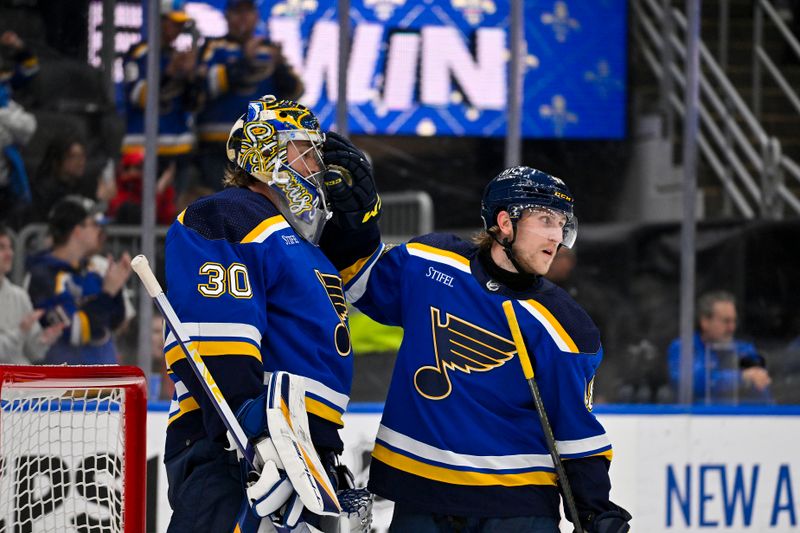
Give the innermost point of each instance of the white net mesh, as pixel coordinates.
(61, 460)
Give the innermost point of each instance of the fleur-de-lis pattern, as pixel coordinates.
(573, 71)
(384, 9)
(474, 10)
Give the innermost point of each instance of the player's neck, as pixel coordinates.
(502, 271)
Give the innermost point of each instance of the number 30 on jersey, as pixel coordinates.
(233, 280)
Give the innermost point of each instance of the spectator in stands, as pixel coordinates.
(17, 126)
(179, 95)
(237, 68)
(724, 368)
(22, 338)
(61, 172)
(70, 289)
(17, 66)
(126, 206)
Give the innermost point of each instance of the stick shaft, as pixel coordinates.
(141, 266)
(527, 369)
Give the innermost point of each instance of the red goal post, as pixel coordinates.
(72, 448)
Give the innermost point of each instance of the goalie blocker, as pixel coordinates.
(290, 448)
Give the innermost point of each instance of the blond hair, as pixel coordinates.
(236, 177)
(484, 239)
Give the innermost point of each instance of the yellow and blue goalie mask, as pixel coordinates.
(279, 142)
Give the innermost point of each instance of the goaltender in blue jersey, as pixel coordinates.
(459, 441)
(256, 296)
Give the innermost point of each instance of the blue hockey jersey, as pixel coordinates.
(232, 80)
(175, 136)
(75, 292)
(255, 298)
(459, 434)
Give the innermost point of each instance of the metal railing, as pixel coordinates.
(761, 59)
(746, 160)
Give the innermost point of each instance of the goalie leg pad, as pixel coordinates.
(288, 427)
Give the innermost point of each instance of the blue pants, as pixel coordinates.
(410, 521)
(205, 489)
(206, 492)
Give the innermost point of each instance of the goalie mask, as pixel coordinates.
(520, 189)
(279, 143)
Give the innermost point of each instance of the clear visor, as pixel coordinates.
(298, 182)
(551, 224)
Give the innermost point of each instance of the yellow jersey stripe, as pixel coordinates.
(438, 251)
(222, 80)
(181, 215)
(608, 454)
(560, 331)
(61, 282)
(186, 405)
(142, 100)
(350, 272)
(174, 149)
(262, 227)
(86, 331)
(163, 149)
(212, 348)
(316, 407)
(213, 136)
(459, 477)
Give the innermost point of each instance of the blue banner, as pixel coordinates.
(440, 67)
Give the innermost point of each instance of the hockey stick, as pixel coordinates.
(527, 370)
(141, 266)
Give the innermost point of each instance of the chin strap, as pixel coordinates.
(507, 247)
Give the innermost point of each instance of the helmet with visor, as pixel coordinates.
(279, 142)
(520, 190)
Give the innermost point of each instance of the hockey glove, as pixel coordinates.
(268, 487)
(610, 522)
(252, 416)
(349, 183)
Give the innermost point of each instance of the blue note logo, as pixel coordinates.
(462, 346)
(333, 288)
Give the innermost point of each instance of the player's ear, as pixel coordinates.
(504, 224)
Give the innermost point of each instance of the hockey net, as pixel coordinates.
(72, 449)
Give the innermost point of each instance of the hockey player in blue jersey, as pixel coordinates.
(460, 447)
(257, 295)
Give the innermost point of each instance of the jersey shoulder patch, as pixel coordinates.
(234, 214)
(567, 318)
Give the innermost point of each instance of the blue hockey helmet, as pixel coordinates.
(519, 188)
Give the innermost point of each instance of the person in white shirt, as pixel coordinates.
(22, 338)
